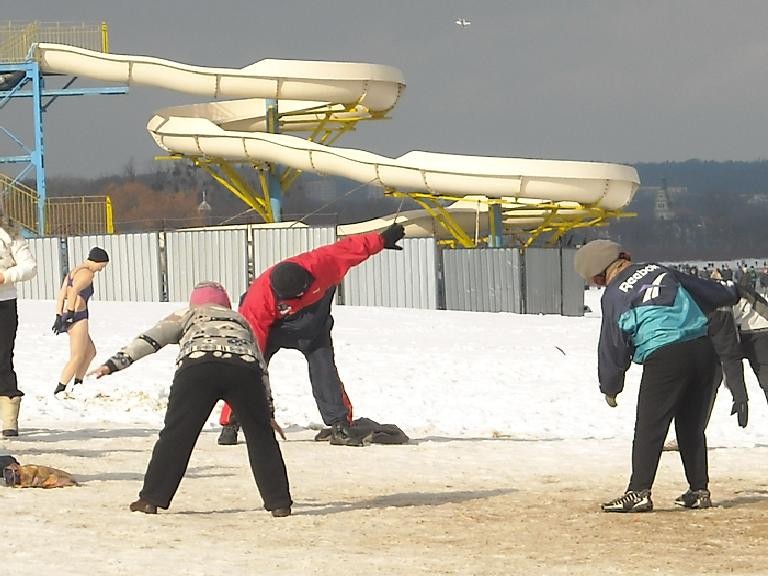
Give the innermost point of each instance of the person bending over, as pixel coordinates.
(218, 359)
(289, 306)
(656, 317)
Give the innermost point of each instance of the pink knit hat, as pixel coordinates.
(209, 293)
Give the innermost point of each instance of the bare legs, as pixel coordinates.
(82, 351)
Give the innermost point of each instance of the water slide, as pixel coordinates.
(234, 127)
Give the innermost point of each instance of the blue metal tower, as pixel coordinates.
(23, 79)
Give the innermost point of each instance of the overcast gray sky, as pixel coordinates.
(616, 81)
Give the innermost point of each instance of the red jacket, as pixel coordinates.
(327, 264)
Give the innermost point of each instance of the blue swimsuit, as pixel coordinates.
(85, 294)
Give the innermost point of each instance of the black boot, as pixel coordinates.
(143, 506)
(342, 434)
(228, 436)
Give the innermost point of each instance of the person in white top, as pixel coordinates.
(751, 314)
(16, 265)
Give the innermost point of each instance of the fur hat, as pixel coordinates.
(289, 280)
(98, 255)
(594, 257)
(209, 293)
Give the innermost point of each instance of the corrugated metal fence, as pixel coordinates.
(164, 266)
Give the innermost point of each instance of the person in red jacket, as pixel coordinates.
(289, 306)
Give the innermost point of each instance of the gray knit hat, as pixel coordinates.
(594, 257)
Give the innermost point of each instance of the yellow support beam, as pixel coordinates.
(439, 213)
(104, 38)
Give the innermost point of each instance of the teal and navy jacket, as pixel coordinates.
(646, 307)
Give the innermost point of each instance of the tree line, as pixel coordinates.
(719, 208)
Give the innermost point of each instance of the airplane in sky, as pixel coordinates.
(463, 22)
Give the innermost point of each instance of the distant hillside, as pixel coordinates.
(718, 210)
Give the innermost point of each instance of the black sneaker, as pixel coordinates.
(228, 436)
(631, 501)
(281, 512)
(342, 434)
(696, 499)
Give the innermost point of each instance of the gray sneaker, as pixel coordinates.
(630, 501)
(696, 499)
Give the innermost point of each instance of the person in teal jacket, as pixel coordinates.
(657, 317)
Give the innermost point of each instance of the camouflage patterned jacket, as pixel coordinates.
(212, 331)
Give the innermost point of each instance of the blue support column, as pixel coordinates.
(495, 226)
(275, 189)
(34, 156)
(38, 155)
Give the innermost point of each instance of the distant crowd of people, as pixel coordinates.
(750, 276)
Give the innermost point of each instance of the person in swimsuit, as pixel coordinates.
(72, 316)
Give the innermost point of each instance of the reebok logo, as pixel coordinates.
(626, 286)
(652, 289)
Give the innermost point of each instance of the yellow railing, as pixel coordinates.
(17, 37)
(63, 215)
(73, 215)
(19, 202)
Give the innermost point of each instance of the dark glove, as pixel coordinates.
(67, 319)
(611, 400)
(57, 328)
(392, 235)
(742, 413)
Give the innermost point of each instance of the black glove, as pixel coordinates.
(392, 235)
(742, 412)
(67, 319)
(57, 328)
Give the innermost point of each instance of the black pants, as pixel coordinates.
(327, 388)
(193, 395)
(725, 341)
(9, 324)
(677, 383)
(755, 346)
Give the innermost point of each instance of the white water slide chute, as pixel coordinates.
(322, 100)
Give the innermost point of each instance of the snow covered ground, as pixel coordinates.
(512, 444)
(442, 373)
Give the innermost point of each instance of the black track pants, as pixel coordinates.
(9, 323)
(193, 395)
(677, 383)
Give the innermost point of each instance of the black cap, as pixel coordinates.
(98, 255)
(6, 461)
(289, 280)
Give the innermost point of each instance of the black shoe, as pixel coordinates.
(696, 499)
(342, 434)
(10, 432)
(281, 512)
(323, 436)
(630, 501)
(228, 436)
(142, 505)
(59, 388)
